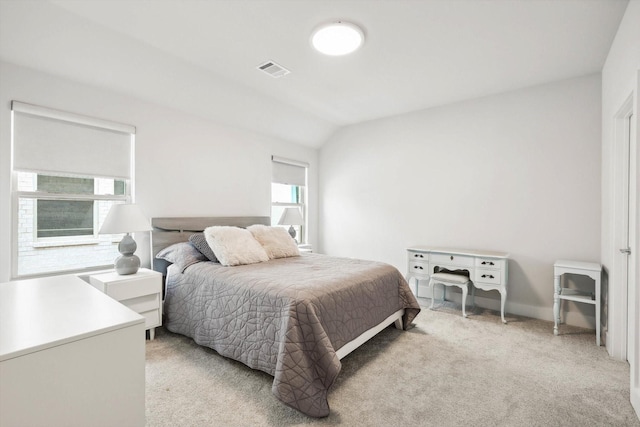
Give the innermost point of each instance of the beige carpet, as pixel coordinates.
(445, 371)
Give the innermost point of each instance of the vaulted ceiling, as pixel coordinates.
(202, 56)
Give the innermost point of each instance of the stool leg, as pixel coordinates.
(473, 296)
(556, 303)
(465, 290)
(432, 286)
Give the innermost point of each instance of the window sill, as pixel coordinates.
(59, 243)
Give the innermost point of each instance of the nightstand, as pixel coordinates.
(305, 248)
(141, 292)
(589, 269)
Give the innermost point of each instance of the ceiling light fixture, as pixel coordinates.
(337, 38)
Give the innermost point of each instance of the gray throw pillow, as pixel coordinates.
(200, 242)
(182, 254)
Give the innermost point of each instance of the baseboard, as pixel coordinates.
(536, 312)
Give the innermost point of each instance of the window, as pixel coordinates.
(57, 218)
(288, 189)
(68, 171)
(65, 207)
(64, 218)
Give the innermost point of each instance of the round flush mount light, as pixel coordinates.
(337, 38)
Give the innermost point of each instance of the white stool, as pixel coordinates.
(590, 269)
(447, 279)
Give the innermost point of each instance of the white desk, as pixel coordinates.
(590, 269)
(488, 270)
(69, 356)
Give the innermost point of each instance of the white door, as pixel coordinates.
(627, 220)
(633, 264)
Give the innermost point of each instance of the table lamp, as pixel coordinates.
(291, 217)
(126, 218)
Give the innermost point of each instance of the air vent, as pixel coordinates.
(273, 69)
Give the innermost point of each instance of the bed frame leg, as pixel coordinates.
(398, 323)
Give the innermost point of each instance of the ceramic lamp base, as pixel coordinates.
(292, 233)
(127, 263)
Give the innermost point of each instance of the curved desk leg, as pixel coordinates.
(465, 290)
(503, 300)
(473, 296)
(556, 303)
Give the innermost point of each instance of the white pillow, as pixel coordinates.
(276, 241)
(234, 246)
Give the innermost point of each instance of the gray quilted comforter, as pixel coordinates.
(286, 317)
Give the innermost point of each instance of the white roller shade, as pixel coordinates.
(54, 141)
(288, 172)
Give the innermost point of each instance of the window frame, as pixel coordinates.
(303, 236)
(16, 195)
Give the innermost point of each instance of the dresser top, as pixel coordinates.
(457, 251)
(36, 314)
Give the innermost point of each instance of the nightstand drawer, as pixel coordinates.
(125, 290)
(143, 303)
(152, 318)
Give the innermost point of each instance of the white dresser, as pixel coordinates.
(69, 356)
(488, 270)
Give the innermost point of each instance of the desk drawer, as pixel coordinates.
(418, 267)
(453, 260)
(418, 256)
(490, 263)
(488, 276)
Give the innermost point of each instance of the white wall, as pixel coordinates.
(621, 80)
(517, 172)
(185, 166)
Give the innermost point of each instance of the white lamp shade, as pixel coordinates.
(125, 218)
(291, 216)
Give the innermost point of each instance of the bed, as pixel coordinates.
(293, 318)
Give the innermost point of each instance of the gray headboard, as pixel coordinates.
(167, 231)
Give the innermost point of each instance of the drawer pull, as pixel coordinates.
(418, 256)
(451, 257)
(418, 267)
(487, 263)
(490, 276)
